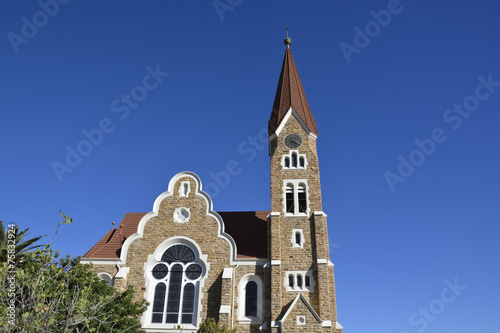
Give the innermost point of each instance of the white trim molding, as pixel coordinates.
(289, 163)
(225, 309)
(306, 303)
(227, 273)
(296, 245)
(100, 261)
(106, 277)
(122, 273)
(291, 111)
(300, 281)
(297, 185)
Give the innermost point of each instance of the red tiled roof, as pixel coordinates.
(248, 229)
(290, 93)
(109, 247)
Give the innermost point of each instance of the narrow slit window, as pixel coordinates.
(302, 162)
(294, 160)
(298, 237)
(290, 281)
(299, 281)
(287, 162)
(308, 281)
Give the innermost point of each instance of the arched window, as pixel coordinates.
(298, 238)
(299, 281)
(106, 277)
(295, 196)
(250, 299)
(294, 160)
(308, 281)
(302, 198)
(177, 278)
(290, 202)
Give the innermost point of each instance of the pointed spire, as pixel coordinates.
(290, 93)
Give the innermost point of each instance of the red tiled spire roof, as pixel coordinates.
(290, 93)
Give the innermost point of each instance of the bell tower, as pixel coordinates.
(302, 280)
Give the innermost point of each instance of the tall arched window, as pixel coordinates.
(176, 279)
(302, 198)
(294, 160)
(290, 201)
(251, 299)
(250, 296)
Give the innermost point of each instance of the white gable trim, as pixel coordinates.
(156, 207)
(291, 111)
(300, 296)
(100, 261)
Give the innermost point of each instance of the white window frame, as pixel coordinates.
(295, 287)
(295, 185)
(106, 277)
(242, 319)
(289, 157)
(184, 188)
(302, 241)
(151, 283)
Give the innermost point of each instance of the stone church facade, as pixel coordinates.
(256, 271)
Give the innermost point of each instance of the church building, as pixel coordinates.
(255, 271)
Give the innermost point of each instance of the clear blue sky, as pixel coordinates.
(397, 245)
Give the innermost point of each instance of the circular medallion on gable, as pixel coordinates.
(181, 215)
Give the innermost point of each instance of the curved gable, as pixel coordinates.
(196, 190)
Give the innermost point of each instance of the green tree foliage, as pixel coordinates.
(210, 326)
(49, 293)
(12, 236)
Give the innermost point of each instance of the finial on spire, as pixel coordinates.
(113, 225)
(287, 40)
